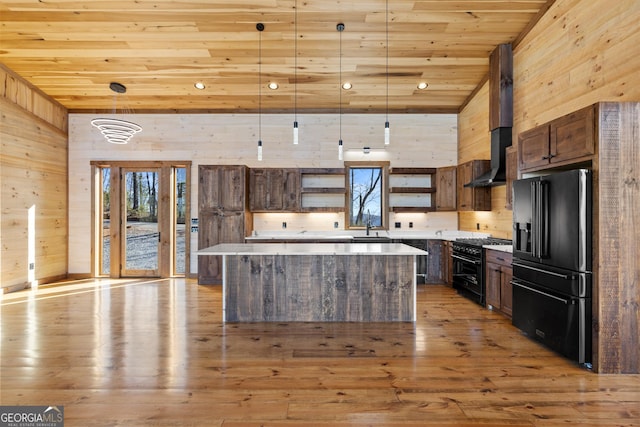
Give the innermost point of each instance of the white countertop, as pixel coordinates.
(351, 234)
(311, 249)
(501, 248)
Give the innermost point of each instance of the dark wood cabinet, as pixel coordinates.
(498, 275)
(446, 199)
(274, 190)
(472, 199)
(223, 216)
(448, 262)
(435, 262)
(408, 187)
(566, 140)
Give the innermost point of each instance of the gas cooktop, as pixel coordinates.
(483, 241)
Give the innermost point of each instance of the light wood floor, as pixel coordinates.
(155, 353)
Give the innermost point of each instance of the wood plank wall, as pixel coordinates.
(577, 54)
(33, 172)
(474, 142)
(418, 140)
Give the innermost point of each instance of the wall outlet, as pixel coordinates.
(411, 225)
(284, 224)
(398, 224)
(32, 266)
(336, 224)
(477, 226)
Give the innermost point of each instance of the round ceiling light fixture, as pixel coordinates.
(423, 85)
(346, 85)
(199, 85)
(273, 86)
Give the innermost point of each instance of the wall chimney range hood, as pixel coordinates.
(500, 115)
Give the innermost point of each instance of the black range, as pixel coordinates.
(468, 266)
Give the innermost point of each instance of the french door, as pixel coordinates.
(140, 225)
(140, 219)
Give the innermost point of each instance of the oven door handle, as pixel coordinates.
(540, 270)
(537, 291)
(461, 258)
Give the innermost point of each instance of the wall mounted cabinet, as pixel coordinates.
(473, 198)
(512, 174)
(323, 189)
(274, 190)
(411, 189)
(566, 140)
(446, 199)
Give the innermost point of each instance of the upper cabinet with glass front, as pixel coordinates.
(412, 189)
(367, 196)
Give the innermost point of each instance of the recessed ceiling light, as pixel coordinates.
(199, 85)
(346, 86)
(422, 85)
(273, 85)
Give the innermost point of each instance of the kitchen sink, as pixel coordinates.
(371, 239)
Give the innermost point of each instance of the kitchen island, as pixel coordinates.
(318, 282)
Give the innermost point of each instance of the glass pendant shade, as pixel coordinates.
(387, 135)
(260, 151)
(295, 133)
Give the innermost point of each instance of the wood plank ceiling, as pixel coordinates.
(158, 49)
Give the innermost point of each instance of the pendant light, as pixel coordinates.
(260, 28)
(116, 131)
(387, 136)
(295, 75)
(340, 28)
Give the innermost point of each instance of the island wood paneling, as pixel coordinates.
(33, 172)
(320, 288)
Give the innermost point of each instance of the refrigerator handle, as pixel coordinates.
(537, 291)
(552, 273)
(543, 231)
(534, 218)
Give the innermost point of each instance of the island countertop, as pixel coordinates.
(311, 249)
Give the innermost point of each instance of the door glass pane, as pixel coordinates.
(141, 235)
(180, 216)
(105, 232)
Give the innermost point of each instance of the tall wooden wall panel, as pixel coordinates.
(33, 173)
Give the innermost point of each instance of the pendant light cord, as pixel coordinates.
(340, 29)
(260, 28)
(295, 63)
(387, 46)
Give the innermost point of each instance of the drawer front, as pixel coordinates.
(499, 257)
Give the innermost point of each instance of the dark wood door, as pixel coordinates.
(214, 228)
(506, 291)
(222, 214)
(446, 189)
(572, 136)
(493, 277)
(274, 190)
(533, 148)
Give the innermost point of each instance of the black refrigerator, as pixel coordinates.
(552, 276)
